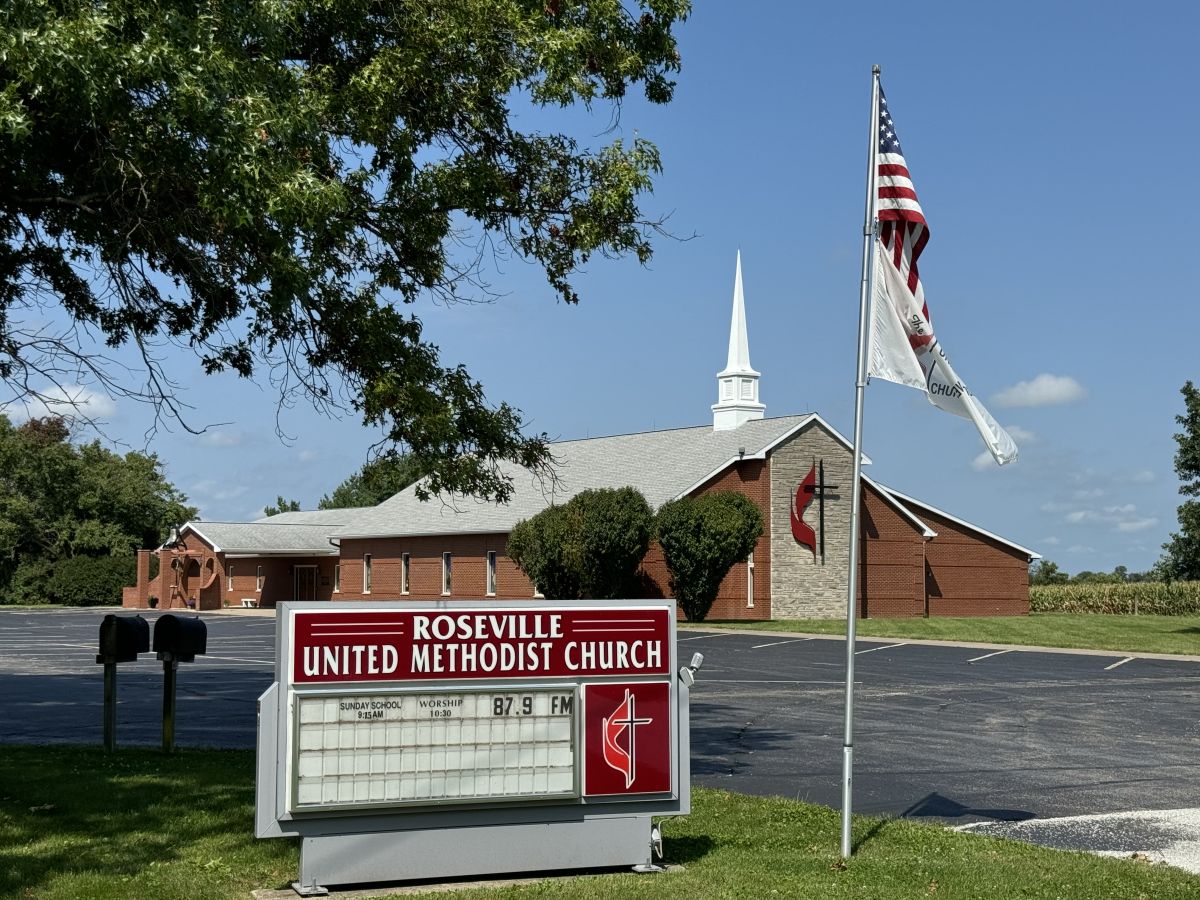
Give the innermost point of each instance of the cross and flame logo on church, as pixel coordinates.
(813, 487)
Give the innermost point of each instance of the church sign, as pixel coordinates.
(442, 731)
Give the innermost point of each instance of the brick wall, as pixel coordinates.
(891, 561)
(970, 574)
(204, 578)
(468, 568)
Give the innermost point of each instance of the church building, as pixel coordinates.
(915, 559)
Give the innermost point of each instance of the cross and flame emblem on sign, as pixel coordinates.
(620, 732)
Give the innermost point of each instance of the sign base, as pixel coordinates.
(463, 852)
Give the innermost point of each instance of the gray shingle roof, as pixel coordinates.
(265, 538)
(661, 464)
(345, 516)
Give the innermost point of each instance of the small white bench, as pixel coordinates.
(249, 603)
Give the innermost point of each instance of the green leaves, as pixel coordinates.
(1181, 559)
(59, 501)
(376, 481)
(590, 547)
(261, 183)
(702, 538)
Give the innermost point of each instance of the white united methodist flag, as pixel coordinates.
(903, 347)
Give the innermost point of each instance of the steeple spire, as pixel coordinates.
(737, 383)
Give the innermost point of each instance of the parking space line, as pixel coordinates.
(778, 643)
(989, 655)
(265, 662)
(769, 681)
(709, 635)
(1120, 662)
(881, 647)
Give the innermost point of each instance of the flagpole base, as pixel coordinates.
(847, 778)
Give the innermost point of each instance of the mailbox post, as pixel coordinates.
(122, 638)
(176, 640)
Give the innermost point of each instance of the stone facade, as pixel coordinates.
(801, 585)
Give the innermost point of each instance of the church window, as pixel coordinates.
(727, 389)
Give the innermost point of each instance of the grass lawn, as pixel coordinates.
(78, 823)
(1145, 634)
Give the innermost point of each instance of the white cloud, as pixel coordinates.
(1043, 390)
(1050, 541)
(210, 490)
(71, 401)
(308, 455)
(1136, 525)
(1022, 435)
(218, 438)
(1145, 476)
(1122, 518)
(983, 461)
(1080, 548)
(1094, 493)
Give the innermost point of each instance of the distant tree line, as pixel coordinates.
(73, 515)
(1181, 554)
(1045, 571)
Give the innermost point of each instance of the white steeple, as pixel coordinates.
(737, 383)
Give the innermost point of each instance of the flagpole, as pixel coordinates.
(860, 385)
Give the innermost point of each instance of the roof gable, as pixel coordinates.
(922, 505)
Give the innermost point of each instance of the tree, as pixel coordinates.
(1045, 571)
(590, 547)
(61, 502)
(264, 186)
(614, 528)
(281, 506)
(380, 478)
(702, 538)
(544, 548)
(1181, 559)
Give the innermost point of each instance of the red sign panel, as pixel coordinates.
(626, 738)
(401, 645)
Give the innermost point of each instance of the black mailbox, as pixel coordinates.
(182, 638)
(122, 638)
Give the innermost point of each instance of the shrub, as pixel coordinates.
(29, 582)
(590, 547)
(702, 538)
(614, 529)
(90, 580)
(541, 547)
(1175, 598)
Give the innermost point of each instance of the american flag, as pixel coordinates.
(903, 348)
(903, 231)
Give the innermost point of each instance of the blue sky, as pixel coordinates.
(1050, 145)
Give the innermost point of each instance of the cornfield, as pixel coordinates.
(1176, 598)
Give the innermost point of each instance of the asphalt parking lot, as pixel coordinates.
(958, 734)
